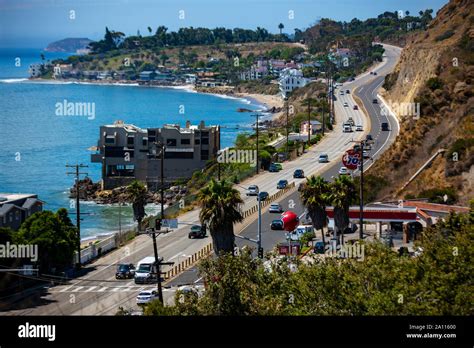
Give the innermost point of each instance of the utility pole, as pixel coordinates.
(361, 192)
(259, 244)
(257, 115)
(309, 122)
(76, 173)
(287, 113)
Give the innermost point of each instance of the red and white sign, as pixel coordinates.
(351, 159)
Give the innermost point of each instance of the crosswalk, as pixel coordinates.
(94, 288)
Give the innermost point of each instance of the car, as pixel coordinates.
(146, 271)
(384, 126)
(276, 225)
(356, 148)
(375, 73)
(298, 174)
(197, 231)
(125, 271)
(348, 92)
(368, 137)
(346, 105)
(323, 158)
(282, 184)
(263, 195)
(366, 154)
(350, 121)
(273, 168)
(319, 247)
(355, 107)
(278, 165)
(342, 93)
(375, 101)
(343, 171)
(252, 190)
(146, 296)
(346, 128)
(275, 208)
(367, 146)
(359, 128)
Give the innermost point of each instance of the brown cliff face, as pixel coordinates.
(436, 70)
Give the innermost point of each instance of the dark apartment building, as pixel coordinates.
(128, 152)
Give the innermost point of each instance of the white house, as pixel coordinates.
(315, 126)
(290, 79)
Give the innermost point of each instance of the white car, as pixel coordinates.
(147, 296)
(275, 208)
(366, 154)
(252, 190)
(347, 128)
(343, 171)
(346, 105)
(359, 128)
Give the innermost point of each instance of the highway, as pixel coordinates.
(98, 293)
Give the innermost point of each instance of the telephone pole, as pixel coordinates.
(257, 115)
(77, 173)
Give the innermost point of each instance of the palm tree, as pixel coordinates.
(164, 58)
(220, 209)
(149, 30)
(136, 194)
(314, 197)
(342, 195)
(281, 26)
(309, 102)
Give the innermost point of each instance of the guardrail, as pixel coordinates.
(269, 200)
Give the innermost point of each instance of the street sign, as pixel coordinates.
(351, 159)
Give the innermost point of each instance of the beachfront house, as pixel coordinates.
(290, 79)
(127, 152)
(146, 75)
(16, 208)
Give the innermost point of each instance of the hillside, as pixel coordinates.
(436, 70)
(68, 45)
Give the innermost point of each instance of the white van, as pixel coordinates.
(145, 271)
(347, 128)
(299, 231)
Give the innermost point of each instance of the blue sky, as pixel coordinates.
(35, 23)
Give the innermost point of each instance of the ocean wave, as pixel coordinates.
(13, 80)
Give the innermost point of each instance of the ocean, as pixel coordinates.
(36, 144)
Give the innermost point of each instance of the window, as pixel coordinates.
(185, 141)
(130, 140)
(17, 215)
(197, 141)
(205, 141)
(170, 142)
(145, 141)
(181, 155)
(204, 155)
(109, 139)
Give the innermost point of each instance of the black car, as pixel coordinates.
(276, 225)
(375, 101)
(125, 271)
(385, 126)
(282, 184)
(197, 231)
(368, 137)
(298, 174)
(263, 195)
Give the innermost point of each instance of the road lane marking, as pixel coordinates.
(66, 288)
(103, 289)
(91, 288)
(77, 289)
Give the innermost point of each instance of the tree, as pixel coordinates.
(220, 209)
(55, 236)
(164, 58)
(314, 197)
(342, 195)
(281, 26)
(136, 193)
(149, 30)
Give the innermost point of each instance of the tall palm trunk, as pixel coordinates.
(223, 239)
